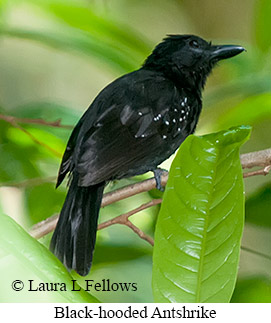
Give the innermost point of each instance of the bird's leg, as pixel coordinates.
(158, 172)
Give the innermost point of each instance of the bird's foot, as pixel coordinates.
(158, 172)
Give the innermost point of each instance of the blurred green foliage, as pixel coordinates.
(254, 289)
(258, 207)
(263, 25)
(56, 55)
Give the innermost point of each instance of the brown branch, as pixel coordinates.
(44, 227)
(56, 124)
(264, 171)
(131, 190)
(124, 219)
(258, 158)
(40, 229)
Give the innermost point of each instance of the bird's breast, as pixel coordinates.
(178, 121)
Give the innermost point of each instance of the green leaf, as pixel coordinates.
(263, 24)
(24, 258)
(250, 111)
(258, 208)
(252, 290)
(199, 227)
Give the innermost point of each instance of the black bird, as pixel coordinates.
(131, 127)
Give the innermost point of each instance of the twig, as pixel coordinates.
(124, 219)
(39, 231)
(44, 227)
(131, 190)
(56, 124)
(265, 171)
(258, 158)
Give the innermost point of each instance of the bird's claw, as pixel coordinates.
(158, 172)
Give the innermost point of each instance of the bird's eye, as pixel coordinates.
(194, 44)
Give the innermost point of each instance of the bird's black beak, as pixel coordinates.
(225, 51)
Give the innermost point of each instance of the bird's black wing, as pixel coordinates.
(125, 130)
(67, 163)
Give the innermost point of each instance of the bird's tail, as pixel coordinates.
(74, 238)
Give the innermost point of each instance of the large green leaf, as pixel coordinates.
(23, 258)
(199, 227)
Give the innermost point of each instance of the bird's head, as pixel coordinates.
(188, 59)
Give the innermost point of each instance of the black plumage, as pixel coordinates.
(131, 127)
